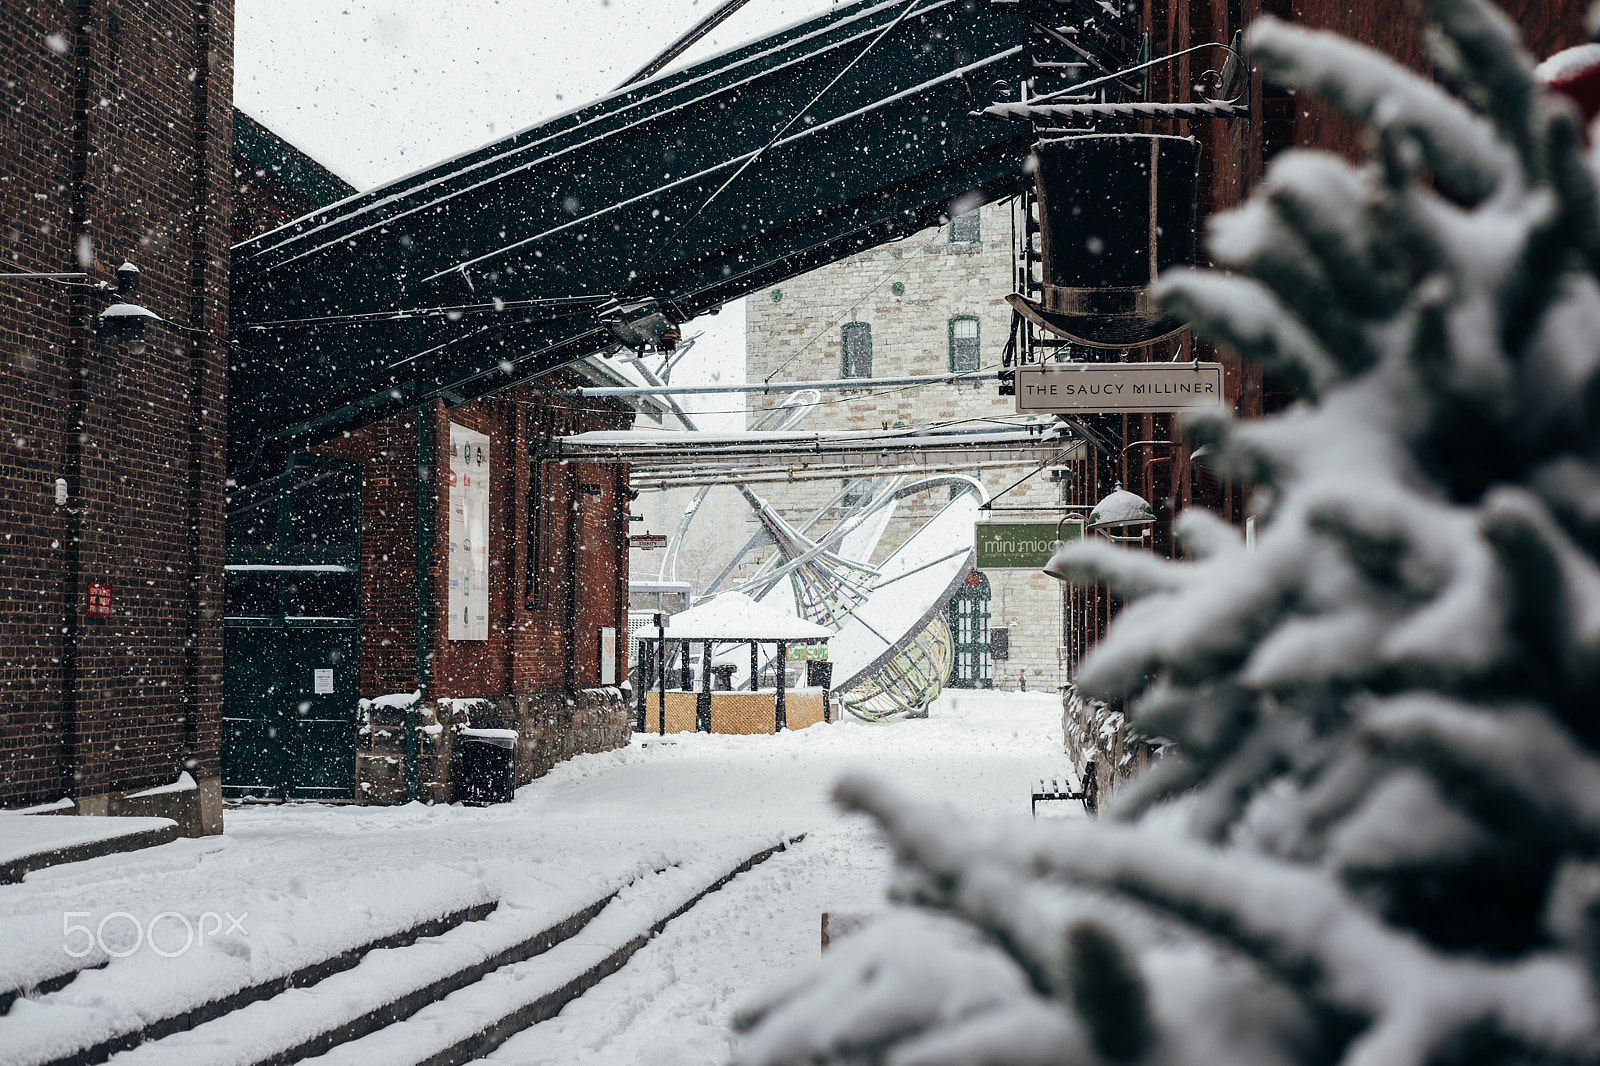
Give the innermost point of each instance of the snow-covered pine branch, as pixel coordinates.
(1379, 839)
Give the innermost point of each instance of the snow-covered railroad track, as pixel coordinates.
(475, 1021)
(490, 973)
(103, 1049)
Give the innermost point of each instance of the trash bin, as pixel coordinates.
(722, 677)
(488, 766)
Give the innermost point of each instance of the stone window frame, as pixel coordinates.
(977, 349)
(966, 228)
(845, 364)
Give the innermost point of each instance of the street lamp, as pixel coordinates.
(1122, 509)
(128, 322)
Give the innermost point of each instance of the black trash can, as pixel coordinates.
(488, 766)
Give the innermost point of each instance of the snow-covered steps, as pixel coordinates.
(54, 983)
(475, 1021)
(477, 976)
(51, 1052)
(31, 842)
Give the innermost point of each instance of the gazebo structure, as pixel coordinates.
(731, 618)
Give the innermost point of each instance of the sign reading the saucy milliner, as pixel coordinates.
(1067, 388)
(469, 534)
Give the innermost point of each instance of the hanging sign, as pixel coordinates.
(469, 534)
(1118, 388)
(1020, 545)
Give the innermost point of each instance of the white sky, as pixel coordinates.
(376, 89)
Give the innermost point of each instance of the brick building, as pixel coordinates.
(356, 617)
(121, 144)
(116, 125)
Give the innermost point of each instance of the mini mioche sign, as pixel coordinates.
(1020, 545)
(1135, 388)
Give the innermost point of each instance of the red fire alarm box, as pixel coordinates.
(99, 605)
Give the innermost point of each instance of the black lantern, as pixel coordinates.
(128, 324)
(1114, 211)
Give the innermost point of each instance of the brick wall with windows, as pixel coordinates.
(116, 120)
(549, 593)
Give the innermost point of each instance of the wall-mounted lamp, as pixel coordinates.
(1122, 510)
(129, 324)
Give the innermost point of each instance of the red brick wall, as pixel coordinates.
(547, 643)
(1395, 29)
(261, 201)
(117, 142)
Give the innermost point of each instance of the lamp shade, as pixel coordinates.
(128, 323)
(1121, 508)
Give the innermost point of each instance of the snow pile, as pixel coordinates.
(1381, 841)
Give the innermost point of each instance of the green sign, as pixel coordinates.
(1020, 545)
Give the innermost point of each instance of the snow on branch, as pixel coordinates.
(1411, 1001)
(1457, 145)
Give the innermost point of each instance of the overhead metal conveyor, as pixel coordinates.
(620, 219)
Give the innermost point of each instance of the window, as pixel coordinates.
(963, 343)
(857, 350)
(964, 228)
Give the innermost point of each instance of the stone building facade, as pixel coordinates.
(928, 304)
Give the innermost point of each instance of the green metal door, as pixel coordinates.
(322, 762)
(255, 720)
(969, 630)
(292, 638)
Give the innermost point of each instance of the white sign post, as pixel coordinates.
(1117, 388)
(469, 534)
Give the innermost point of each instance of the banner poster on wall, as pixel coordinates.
(469, 534)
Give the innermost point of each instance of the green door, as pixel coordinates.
(255, 720)
(292, 638)
(322, 762)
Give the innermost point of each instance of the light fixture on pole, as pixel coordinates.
(130, 324)
(1122, 509)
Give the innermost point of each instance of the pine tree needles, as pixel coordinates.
(1380, 844)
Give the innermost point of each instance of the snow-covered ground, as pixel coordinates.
(308, 881)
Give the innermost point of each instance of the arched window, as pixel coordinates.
(964, 229)
(857, 361)
(964, 343)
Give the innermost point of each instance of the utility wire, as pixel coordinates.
(776, 137)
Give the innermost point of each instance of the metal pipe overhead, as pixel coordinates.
(689, 479)
(834, 385)
(684, 43)
(651, 452)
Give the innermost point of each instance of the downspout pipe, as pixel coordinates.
(425, 507)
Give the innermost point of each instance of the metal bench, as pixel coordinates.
(1053, 789)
